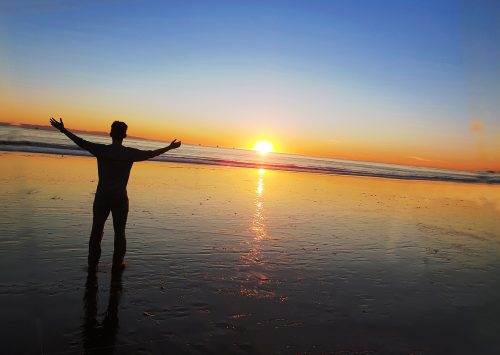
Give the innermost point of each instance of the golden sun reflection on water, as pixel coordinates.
(254, 260)
(258, 221)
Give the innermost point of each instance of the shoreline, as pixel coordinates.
(483, 179)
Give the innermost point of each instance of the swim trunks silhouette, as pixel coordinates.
(114, 162)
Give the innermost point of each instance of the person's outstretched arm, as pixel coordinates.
(82, 143)
(139, 155)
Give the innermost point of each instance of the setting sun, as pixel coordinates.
(263, 147)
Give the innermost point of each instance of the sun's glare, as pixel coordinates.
(263, 147)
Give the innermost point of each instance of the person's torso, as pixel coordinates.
(114, 170)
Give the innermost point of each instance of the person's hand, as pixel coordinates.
(57, 125)
(175, 144)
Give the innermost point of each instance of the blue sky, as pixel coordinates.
(386, 74)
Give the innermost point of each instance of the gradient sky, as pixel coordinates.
(413, 82)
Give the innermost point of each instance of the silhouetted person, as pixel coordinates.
(114, 162)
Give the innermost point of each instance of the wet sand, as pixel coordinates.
(232, 260)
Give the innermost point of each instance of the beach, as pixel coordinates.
(242, 260)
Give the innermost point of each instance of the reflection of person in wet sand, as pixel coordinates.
(114, 162)
(99, 337)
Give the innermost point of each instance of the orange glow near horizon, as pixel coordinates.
(472, 156)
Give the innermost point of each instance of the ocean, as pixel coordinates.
(32, 140)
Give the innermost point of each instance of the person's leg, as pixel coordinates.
(120, 213)
(101, 211)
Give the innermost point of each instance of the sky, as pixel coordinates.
(397, 81)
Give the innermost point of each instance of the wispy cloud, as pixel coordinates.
(334, 140)
(414, 157)
(419, 158)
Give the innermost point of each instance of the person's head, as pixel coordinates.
(118, 130)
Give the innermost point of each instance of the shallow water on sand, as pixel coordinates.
(230, 260)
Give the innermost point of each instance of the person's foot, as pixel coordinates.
(118, 267)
